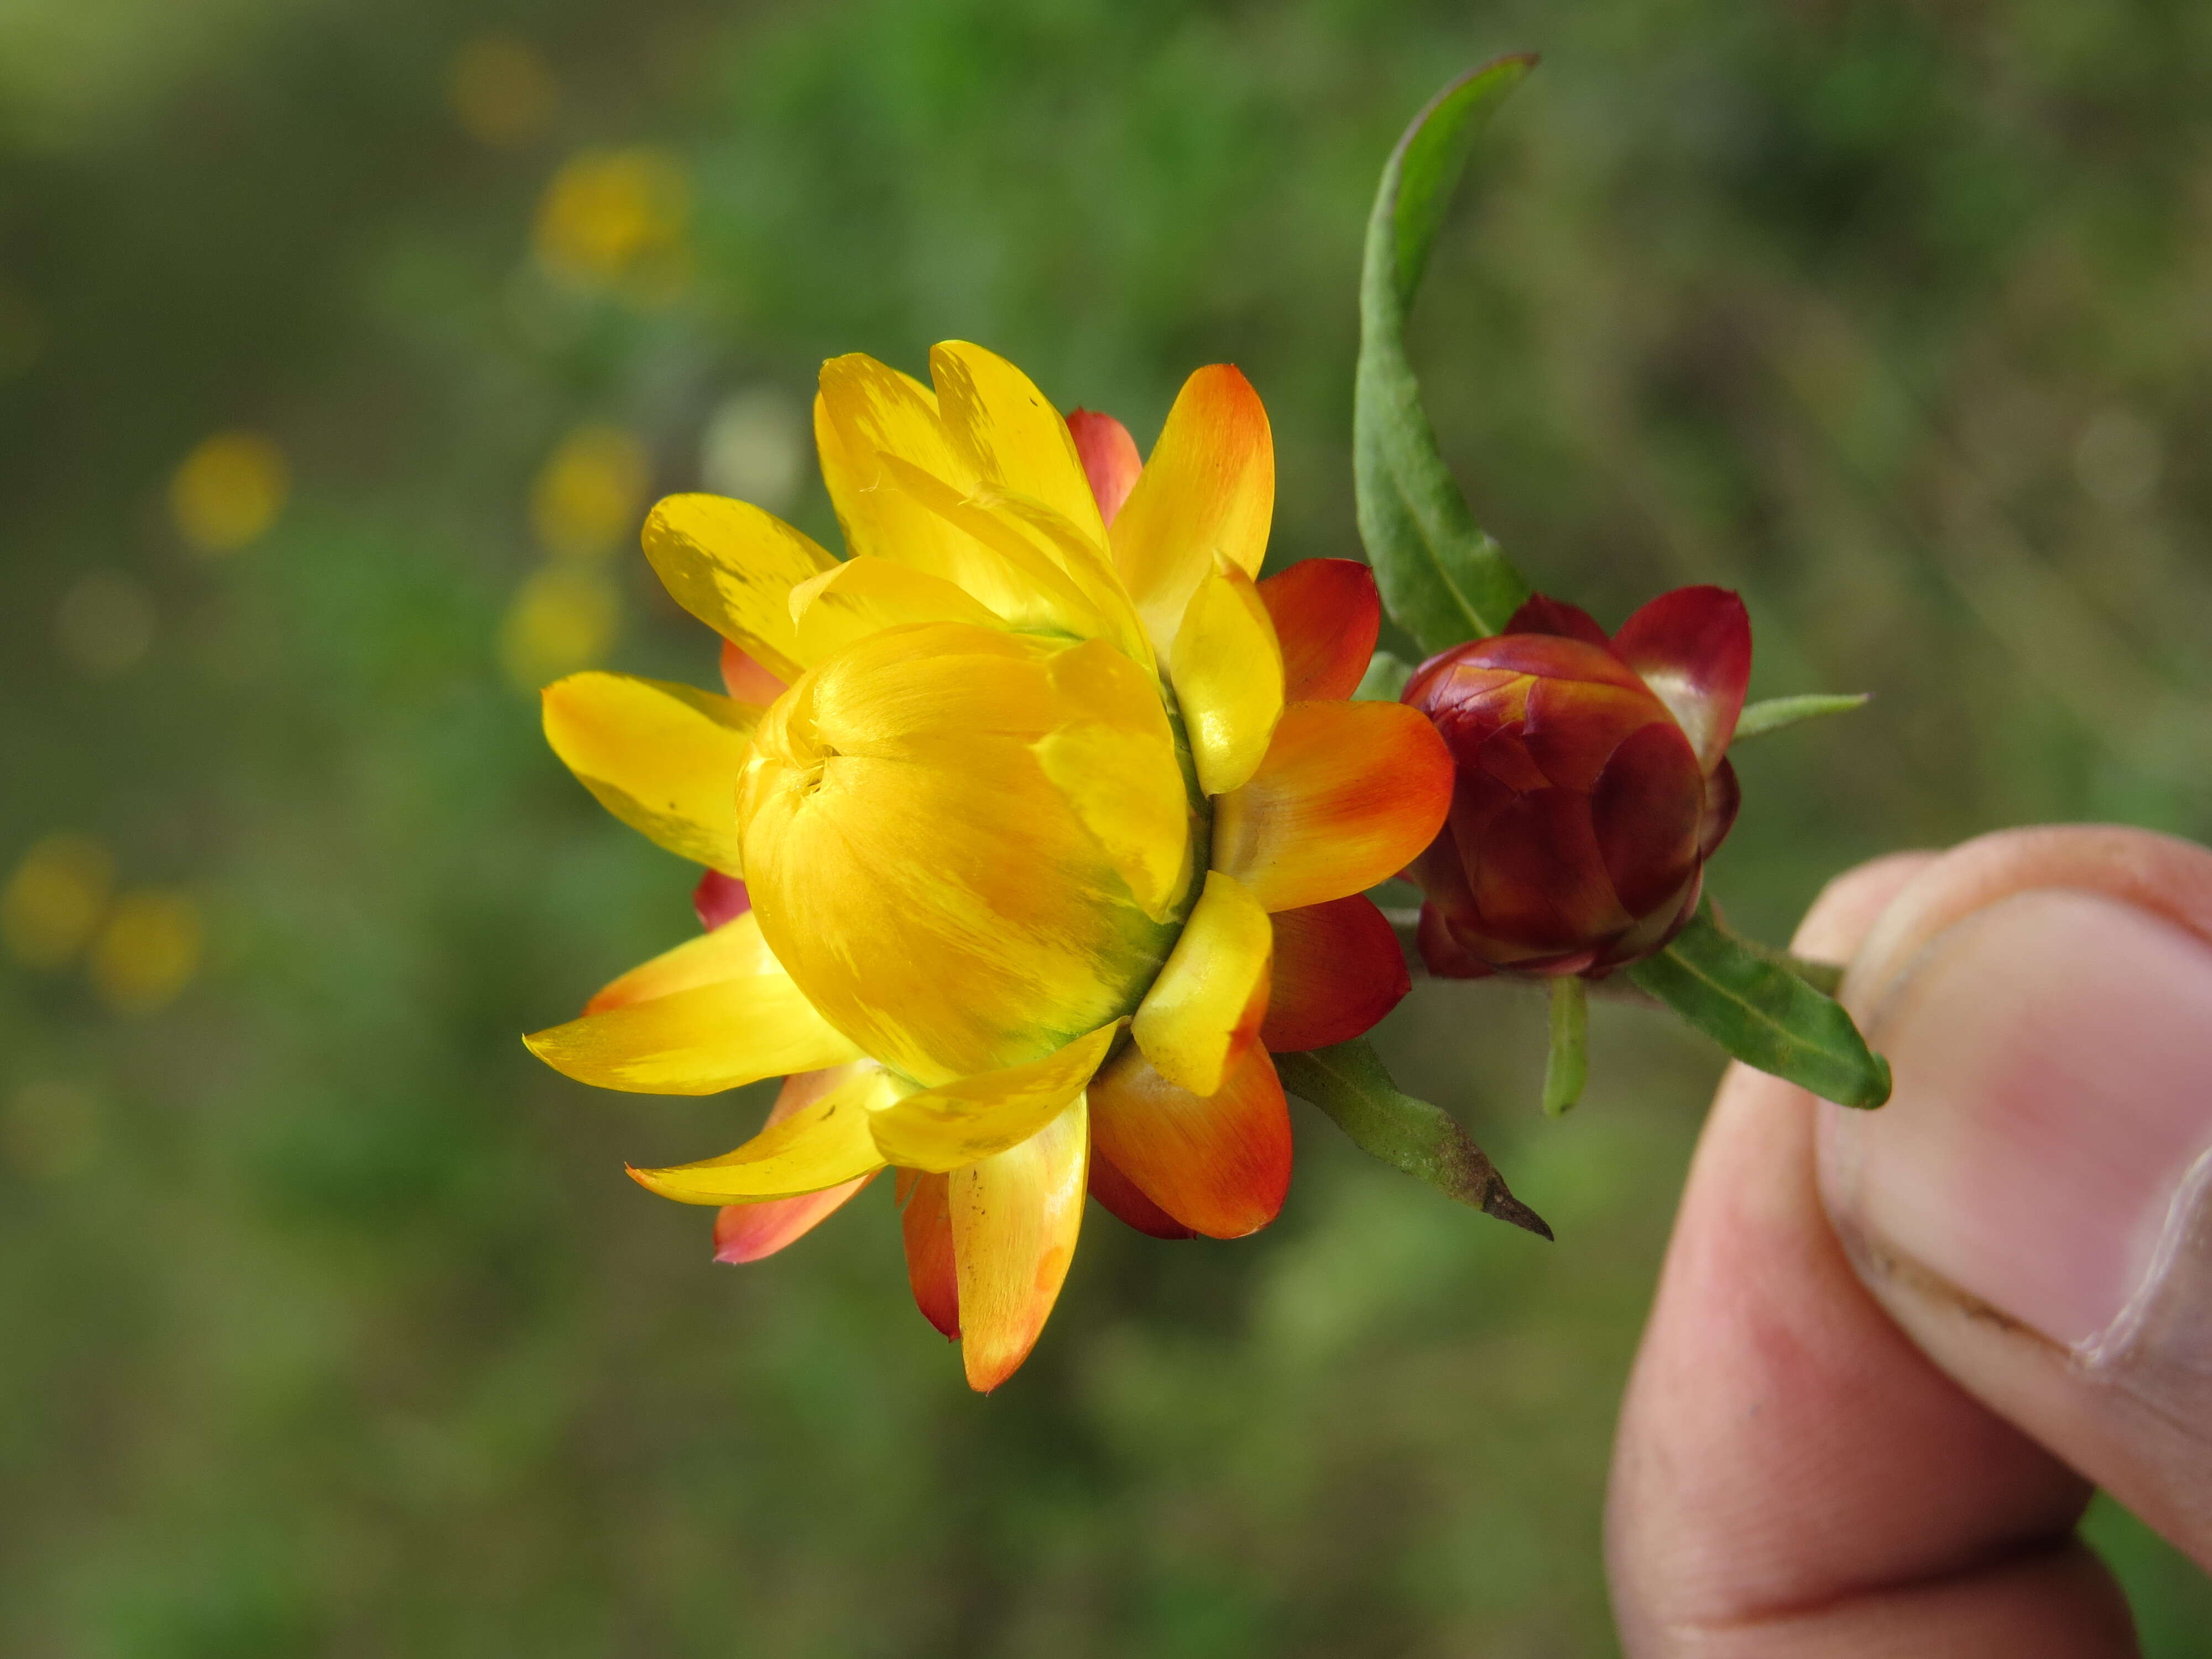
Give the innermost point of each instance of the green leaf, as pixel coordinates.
(1747, 999)
(1443, 579)
(1772, 713)
(1349, 1083)
(1384, 680)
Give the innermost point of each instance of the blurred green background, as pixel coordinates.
(340, 349)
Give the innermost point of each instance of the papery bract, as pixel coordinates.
(1591, 783)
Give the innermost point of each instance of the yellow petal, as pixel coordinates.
(1227, 669)
(825, 1145)
(1014, 1221)
(665, 759)
(961, 1123)
(1210, 998)
(864, 411)
(1007, 433)
(866, 595)
(733, 566)
(916, 868)
(992, 556)
(1113, 759)
(1208, 489)
(733, 951)
(697, 1042)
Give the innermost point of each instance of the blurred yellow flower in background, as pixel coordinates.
(149, 951)
(228, 491)
(55, 898)
(587, 494)
(618, 220)
(502, 90)
(562, 618)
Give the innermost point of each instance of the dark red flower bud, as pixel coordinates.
(1592, 784)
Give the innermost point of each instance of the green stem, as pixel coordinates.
(1567, 1068)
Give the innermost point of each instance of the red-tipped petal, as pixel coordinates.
(745, 679)
(926, 1222)
(1692, 647)
(719, 898)
(1109, 458)
(1125, 1201)
(1338, 970)
(747, 1232)
(1218, 1164)
(1541, 614)
(1326, 615)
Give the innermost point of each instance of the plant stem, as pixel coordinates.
(1568, 1069)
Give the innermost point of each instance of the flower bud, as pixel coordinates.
(1591, 783)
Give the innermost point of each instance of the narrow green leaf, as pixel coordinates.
(1443, 577)
(1384, 680)
(1772, 713)
(1567, 1068)
(1748, 1002)
(1349, 1083)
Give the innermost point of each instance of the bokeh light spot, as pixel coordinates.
(586, 498)
(618, 220)
(105, 624)
(755, 448)
(149, 951)
(228, 491)
(503, 91)
(55, 898)
(562, 619)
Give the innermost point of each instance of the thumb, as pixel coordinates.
(2034, 1206)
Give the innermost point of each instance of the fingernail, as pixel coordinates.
(2053, 1059)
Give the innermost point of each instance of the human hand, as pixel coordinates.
(1892, 1351)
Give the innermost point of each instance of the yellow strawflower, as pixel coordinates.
(1033, 826)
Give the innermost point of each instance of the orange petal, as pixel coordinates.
(1338, 969)
(1110, 460)
(1014, 1221)
(746, 679)
(926, 1220)
(1328, 616)
(1125, 1201)
(747, 1232)
(1209, 488)
(1218, 1164)
(1349, 793)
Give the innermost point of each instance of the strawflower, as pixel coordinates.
(1032, 827)
(1592, 783)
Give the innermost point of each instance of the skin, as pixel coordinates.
(1816, 1457)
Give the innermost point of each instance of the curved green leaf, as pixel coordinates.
(1349, 1083)
(1443, 577)
(1744, 997)
(1772, 713)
